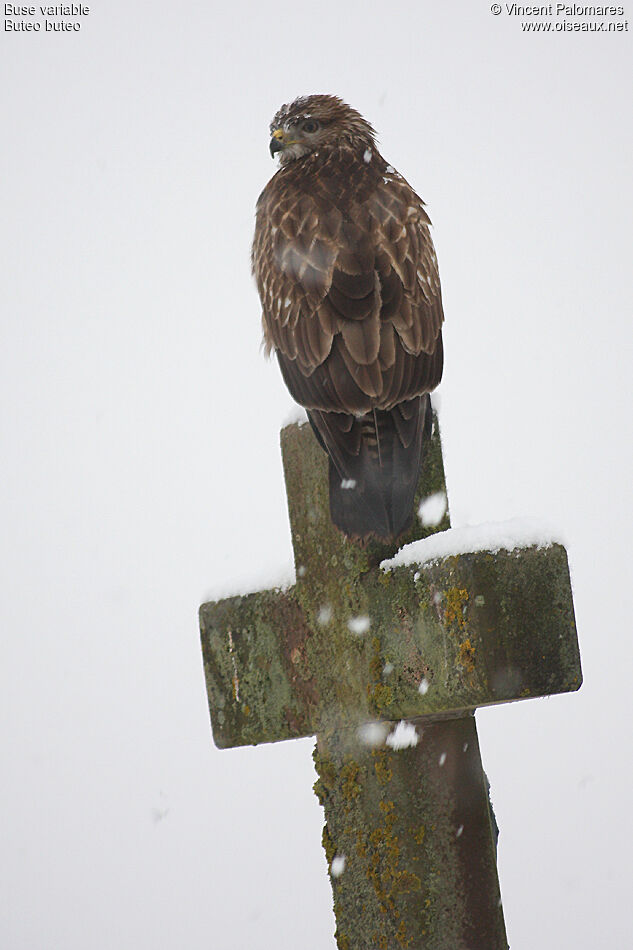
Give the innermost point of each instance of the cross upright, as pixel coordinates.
(386, 666)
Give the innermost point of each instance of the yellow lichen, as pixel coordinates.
(455, 600)
(418, 834)
(384, 773)
(401, 935)
(467, 655)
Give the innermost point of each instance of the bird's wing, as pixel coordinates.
(349, 285)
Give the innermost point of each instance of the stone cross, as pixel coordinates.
(386, 667)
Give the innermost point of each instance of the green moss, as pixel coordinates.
(326, 770)
(380, 696)
(375, 663)
(350, 781)
(328, 845)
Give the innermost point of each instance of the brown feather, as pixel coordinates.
(367, 376)
(362, 340)
(328, 318)
(355, 286)
(391, 293)
(353, 308)
(387, 352)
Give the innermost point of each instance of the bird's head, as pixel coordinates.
(314, 122)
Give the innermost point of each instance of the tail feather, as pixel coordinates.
(374, 467)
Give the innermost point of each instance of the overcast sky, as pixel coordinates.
(140, 462)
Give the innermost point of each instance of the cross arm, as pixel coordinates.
(441, 639)
(258, 687)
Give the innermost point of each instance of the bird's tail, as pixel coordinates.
(375, 463)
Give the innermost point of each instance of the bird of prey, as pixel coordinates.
(348, 280)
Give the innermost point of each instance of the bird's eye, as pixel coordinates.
(310, 125)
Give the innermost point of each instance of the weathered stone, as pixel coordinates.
(413, 828)
(478, 628)
(351, 644)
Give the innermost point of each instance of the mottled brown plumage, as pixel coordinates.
(350, 291)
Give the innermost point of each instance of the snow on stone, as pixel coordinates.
(372, 733)
(432, 509)
(390, 169)
(368, 155)
(359, 625)
(403, 736)
(296, 416)
(324, 615)
(253, 580)
(493, 536)
(348, 483)
(338, 865)
(423, 688)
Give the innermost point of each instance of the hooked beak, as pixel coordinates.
(276, 142)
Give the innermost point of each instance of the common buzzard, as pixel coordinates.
(350, 291)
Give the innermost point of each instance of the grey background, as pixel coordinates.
(140, 463)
